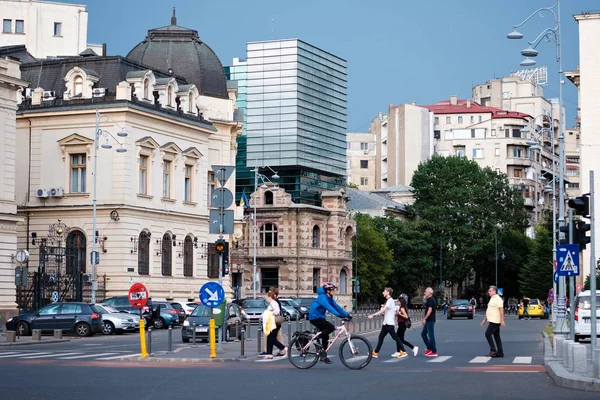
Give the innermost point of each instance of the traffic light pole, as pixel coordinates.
(571, 280)
(593, 264)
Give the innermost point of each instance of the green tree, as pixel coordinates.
(411, 247)
(586, 284)
(374, 258)
(535, 278)
(460, 203)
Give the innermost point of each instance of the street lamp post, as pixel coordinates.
(497, 253)
(97, 134)
(257, 175)
(555, 34)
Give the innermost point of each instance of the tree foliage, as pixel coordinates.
(535, 278)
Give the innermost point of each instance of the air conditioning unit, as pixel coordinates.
(57, 192)
(42, 193)
(28, 93)
(48, 95)
(98, 92)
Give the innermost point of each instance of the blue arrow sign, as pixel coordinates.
(568, 260)
(555, 275)
(500, 292)
(211, 294)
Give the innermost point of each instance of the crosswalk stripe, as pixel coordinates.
(18, 355)
(30, 357)
(522, 360)
(440, 359)
(8, 353)
(121, 356)
(480, 360)
(271, 359)
(86, 356)
(395, 359)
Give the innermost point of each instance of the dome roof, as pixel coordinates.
(180, 49)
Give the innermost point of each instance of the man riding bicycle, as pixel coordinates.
(323, 303)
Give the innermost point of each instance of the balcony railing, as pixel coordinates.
(284, 252)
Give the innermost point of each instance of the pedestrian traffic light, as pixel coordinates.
(565, 230)
(356, 285)
(581, 205)
(220, 245)
(582, 239)
(225, 270)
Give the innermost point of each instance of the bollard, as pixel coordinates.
(298, 324)
(289, 333)
(258, 340)
(579, 359)
(558, 347)
(302, 326)
(237, 330)
(370, 322)
(149, 340)
(569, 355)
(11, 336)
(194, 334)
(242, 342)
(170, 339)
(58, 334)
(249, 330)
(36, 334)
(596, 364)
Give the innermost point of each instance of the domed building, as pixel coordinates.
(180, 52)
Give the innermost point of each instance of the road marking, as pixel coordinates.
(271, 359)
(23, 355)
(122, 356)
(440, 359)
(48, 356)
(86, 356)
(9, 353)
(480, 360)
(395, 359)
(522, 360)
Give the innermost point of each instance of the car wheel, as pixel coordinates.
(23, 328)
(185, 340)
(577, 338)
(227, 334)
(108, 328)
(449, 317)
(470, 317)
(287, 316)
(159, 323)
(82, 329)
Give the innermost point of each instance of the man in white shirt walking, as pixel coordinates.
(389, 325)
(495, 316)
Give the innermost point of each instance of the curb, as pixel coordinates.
(564, 378)
(31, 342)
(183, 360)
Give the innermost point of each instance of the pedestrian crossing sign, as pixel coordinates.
(568, 260)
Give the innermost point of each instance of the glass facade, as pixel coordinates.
(294, 96)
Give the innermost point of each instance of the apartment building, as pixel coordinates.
(361, 159)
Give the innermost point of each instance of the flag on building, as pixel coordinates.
(244, 200)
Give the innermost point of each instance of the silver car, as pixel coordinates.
(117, 322)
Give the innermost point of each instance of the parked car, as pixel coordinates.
(187, 306)
(169, 316)
(114, 321)
(535, 309)
(151, 318)
(201, 318)
(180, 311)
(460, 308)
(302, 311)
(583, 313)
(305, 302)
(252, 309)
(121, 303)
(81, 318)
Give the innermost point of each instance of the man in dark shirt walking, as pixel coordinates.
(428, 323)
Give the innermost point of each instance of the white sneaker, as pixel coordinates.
(415, 350)
(396, 354)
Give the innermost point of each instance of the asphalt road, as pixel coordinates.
(462, 371)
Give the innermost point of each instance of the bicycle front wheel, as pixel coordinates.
(303, 353)
(356, 352)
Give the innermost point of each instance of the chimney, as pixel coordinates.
(173, 18)
(453, 100)
(468, 103)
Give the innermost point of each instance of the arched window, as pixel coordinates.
(268, 235)
(348, 238)
(188, 256)
(343, 282)
(170, 96)
(144, 253)
(191, 103)
(76, 253)
(316, 236)
(146, 89)
(78, 86)
(268, 197)
(167, 255)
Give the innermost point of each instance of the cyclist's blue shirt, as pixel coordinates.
(324, 303)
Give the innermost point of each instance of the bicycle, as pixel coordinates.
(305, 350)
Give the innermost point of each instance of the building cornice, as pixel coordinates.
(85, 207)
(587, 15)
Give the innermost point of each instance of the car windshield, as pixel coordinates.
(460, 302)
(191, 304)
(177, 306)
(105, 308)
(254, 304)
(163, 306)
(201, 311)
(96, 309)
(534, 302)
(585, 302)
(291, 302)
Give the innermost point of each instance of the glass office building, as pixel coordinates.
(295, 117)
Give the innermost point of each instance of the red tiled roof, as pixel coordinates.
(461, 107)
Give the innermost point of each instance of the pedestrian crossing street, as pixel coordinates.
(63, 355)
(437, 360)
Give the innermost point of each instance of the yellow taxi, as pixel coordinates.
(535, 309)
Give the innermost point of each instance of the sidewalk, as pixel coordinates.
(563, 377)
(27, 340)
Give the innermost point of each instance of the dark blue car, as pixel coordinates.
(81, 318)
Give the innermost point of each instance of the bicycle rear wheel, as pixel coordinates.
(356, 352)
(300, 355)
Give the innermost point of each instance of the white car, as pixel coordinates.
(583, 312)
(117, 322)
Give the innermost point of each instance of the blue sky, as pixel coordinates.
(398, 51)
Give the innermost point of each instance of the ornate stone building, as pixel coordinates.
(299, 247)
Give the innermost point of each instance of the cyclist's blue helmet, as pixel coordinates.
(329, 286)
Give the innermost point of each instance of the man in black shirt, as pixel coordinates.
(428, 323)
(525, 305)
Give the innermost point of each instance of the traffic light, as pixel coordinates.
(356, 285)
(581, 205)
(225, 270)
(565, 230)
(222, 249)
(581, 238)
(220, 246)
